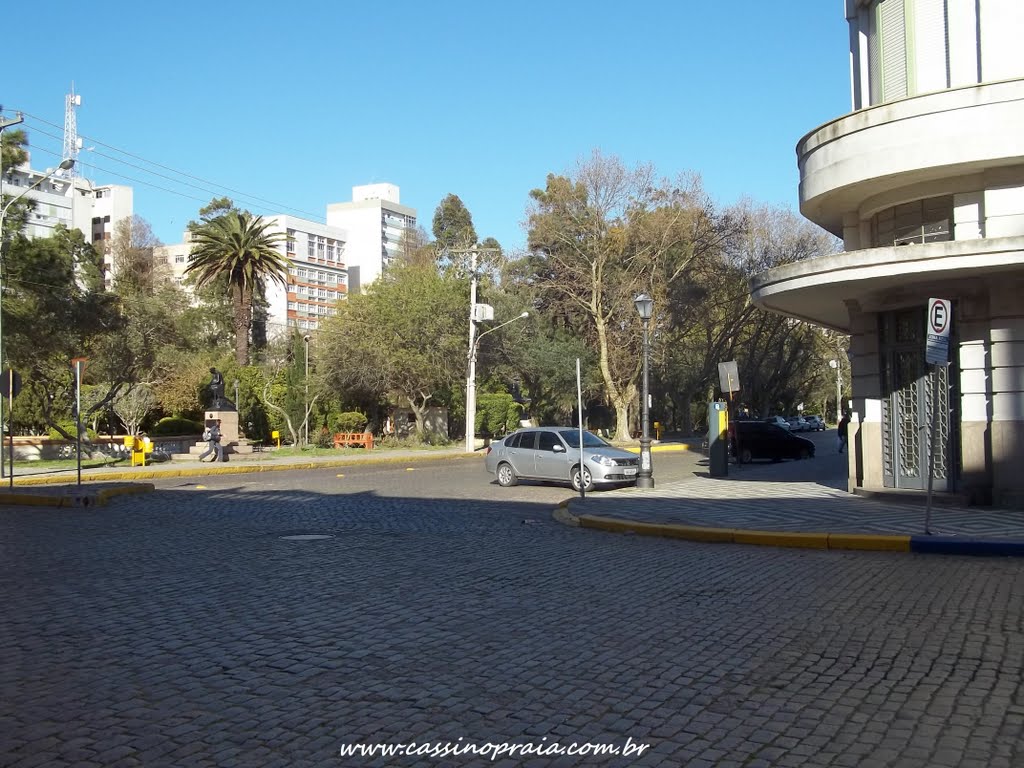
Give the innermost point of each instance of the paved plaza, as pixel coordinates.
(191, 627)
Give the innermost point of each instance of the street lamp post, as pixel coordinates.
(64, 166)
(839, 389)
(305, 401)
(471, 383)
(644, 479)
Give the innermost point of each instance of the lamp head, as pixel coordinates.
(66, 165)
(644, 306)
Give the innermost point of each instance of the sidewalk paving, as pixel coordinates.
(755, 508)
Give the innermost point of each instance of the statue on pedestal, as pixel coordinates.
(216, 386)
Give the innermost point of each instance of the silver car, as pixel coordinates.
(553, 453)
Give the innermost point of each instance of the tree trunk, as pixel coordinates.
(242, 300)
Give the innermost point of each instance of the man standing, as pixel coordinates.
(212, 437)
(844, 424)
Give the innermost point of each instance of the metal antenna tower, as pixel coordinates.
(71, 141)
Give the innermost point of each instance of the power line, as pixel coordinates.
(272, 205)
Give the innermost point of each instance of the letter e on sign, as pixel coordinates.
(938, 317)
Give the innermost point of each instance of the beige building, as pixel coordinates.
(924, 182)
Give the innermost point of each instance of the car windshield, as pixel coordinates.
(590, 440)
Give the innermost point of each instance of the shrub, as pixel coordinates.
(349, 421)
(177, 425)
(71, 429)
(324, 438)
(497, 414)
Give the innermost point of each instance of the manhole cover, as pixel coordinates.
(307, 537)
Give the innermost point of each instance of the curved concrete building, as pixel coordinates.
(924, 183)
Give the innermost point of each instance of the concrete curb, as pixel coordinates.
(236, 469)
(78, 499)
(946, 545)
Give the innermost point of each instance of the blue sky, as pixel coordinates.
(291, 104)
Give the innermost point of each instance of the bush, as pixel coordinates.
(497, 414)
(176, 425)
(71, 429)
(349, 421)
(324, 438)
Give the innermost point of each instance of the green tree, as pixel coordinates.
(50, 317)
(13, 152)
(238, 246)
(399, 341)
(453, 224)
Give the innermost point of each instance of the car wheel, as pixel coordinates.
(746, 456)
(588, 482)
(506, 475)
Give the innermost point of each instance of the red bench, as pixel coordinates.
(353, 439)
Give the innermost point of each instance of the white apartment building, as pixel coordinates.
(376, 223)
(96, 210)
(924, 182)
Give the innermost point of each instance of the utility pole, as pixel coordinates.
(473, 252)
(5, 122)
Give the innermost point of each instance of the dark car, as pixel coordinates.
(750, 440)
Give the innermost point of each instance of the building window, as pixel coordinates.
(291, 305)
(922, 221)
(310, 246)
(179, 259)
(302, 274)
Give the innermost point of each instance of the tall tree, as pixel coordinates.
(13, 153)
(599, 238)
(400, 340)
(131, 250)
(453, 224)
(238, 246)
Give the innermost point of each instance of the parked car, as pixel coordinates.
(553, 453)
(798, 424)
(778, 421)
(815, 423)
(749, 440)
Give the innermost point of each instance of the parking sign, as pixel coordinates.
(940, 319)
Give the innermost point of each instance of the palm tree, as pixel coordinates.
(238, 246)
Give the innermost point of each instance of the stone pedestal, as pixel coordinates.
(229, 438)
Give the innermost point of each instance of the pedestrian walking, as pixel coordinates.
(212, 437)
(844, 424)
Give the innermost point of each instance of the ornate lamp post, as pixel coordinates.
(645, 307)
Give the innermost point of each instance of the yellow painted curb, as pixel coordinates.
(867, 541)
(666, 448)
(235, 469)
(782, 539)
(105, 494)
(698, 533)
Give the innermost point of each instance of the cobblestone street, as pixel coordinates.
(181, 629)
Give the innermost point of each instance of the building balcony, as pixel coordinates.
(817, 289)
(921, 140)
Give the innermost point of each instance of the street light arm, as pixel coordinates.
(476, 342)
(65, 165)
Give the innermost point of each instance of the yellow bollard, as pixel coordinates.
(276, 435)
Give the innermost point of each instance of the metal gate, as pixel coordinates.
(908, 387)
